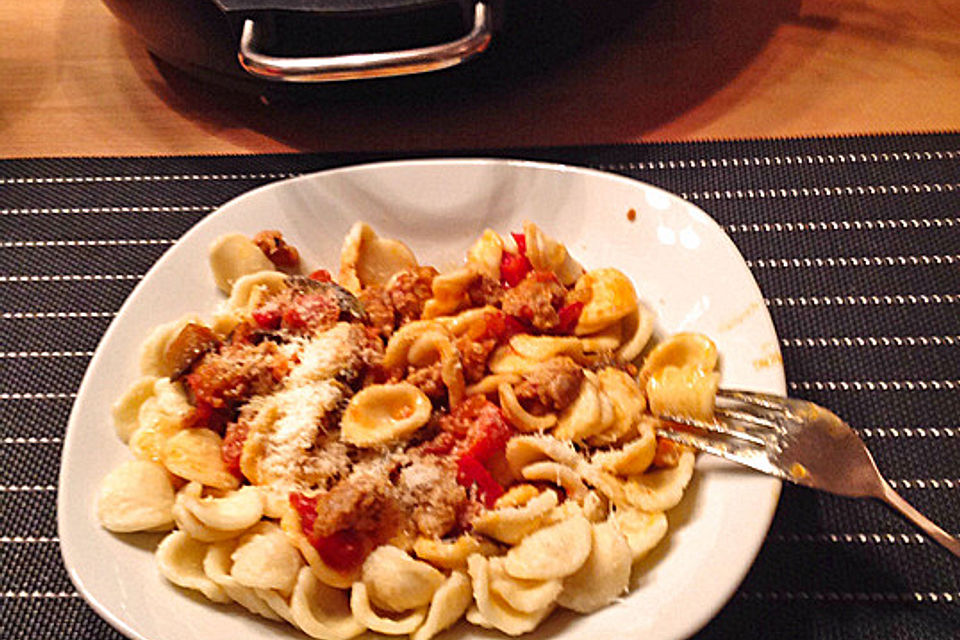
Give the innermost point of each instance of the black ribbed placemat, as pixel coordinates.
(855, 243)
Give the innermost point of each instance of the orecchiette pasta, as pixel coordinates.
(180, 559)
(126, 409)
(233, 256)
(152, 361)
(217, 564)
(399, 449)
(492, 610)
(266, 559)
(384, 413)
(610, 298)
(369, 259)
(234, 511)
(365, 615)
(604, 575)
(398, 582)
(555, 551)
(512, 524)
(136, 496)
(321, 611)
(448, 605)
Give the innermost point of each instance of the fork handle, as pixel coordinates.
(893, 499)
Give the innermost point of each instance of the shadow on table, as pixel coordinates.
(646, 68)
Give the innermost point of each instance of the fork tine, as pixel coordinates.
(754, 419)
(747, 455)
(753, 398)
(717, 428)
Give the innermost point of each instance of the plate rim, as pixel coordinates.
(62, 521)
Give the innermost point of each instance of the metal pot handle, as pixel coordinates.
(365, 65)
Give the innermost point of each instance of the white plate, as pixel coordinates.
(683, 265)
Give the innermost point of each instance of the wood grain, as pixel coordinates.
(78, 82)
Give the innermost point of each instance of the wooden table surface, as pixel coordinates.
(78, 82)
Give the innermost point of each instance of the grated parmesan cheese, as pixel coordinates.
(293, 449)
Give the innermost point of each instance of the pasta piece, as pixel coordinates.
(384, 413)
(180, 559)
(628, 404)
(688, 392)
(517, 496)
(321, 611)
(154, 428)
(217, 565)
(127, 407)
(476, 618)
(452, 555)
(194, 454)
(519, 417)
(449, 292)
(235, 255)
(643, 530)
(583, 418)
(504, 361)
(436, 345)
(512, 524)
(250, 289)
(265, 559)
(136, 496)
(608, 414)
(528, 596)
(364, 614)
(527, 449)
(467, 320)
(186, 521)
(636, 329)
(449, 602)
(494, 612)
(610, 298)
(542, 348)
(491, 383)
(276, 502)
(157, 426)
(558, 474)
(277, 603)
(608, 339)
(235, 511)
(486, 253)
(367, 259)
(603, 577)
(171, 398)
(398, 582)
(595, 507)
(555, 551)
(680, 350)
(658, 490)
(633, 458)
(152, 361)
(422, 344)
(546, 254)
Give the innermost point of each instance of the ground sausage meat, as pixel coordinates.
(473, 356)
(536, 300)
(366, 502)
(432, 495)
(237, 372)
(283, 255)
(429, 380)
(553, 385)
(484, 291)
(409, 289)
(380, 313)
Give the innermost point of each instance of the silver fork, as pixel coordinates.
(797, 441)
